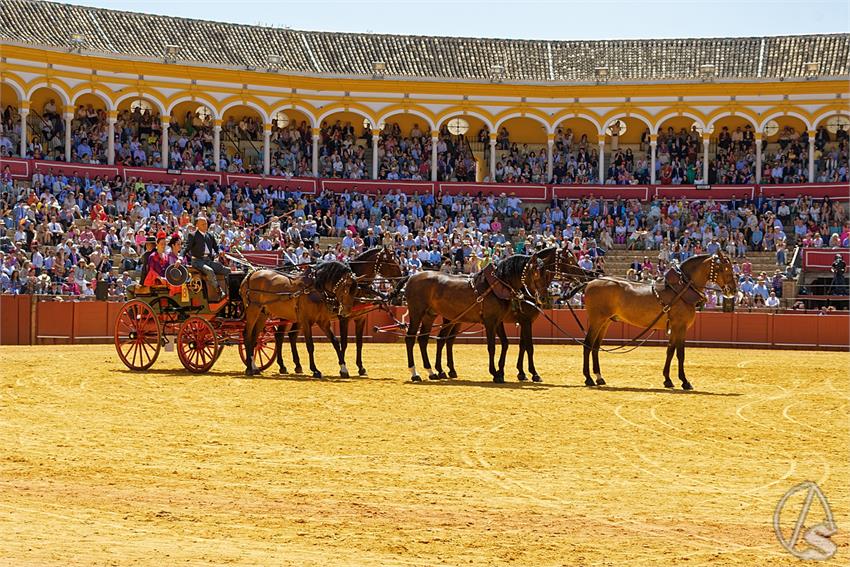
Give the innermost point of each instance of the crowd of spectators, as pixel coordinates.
(67, 236)
(407, 155)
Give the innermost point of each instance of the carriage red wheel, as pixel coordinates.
(138, 337)
(197, 344)
(265, 350)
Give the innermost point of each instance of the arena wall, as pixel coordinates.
(26, 321)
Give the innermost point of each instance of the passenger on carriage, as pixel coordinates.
(157, 262)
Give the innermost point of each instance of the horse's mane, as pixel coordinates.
(510, 269)
(367, 255)
(693, 261)
(329, 272)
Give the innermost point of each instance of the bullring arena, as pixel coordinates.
(690, 191)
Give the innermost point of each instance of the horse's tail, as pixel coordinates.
(396, 296)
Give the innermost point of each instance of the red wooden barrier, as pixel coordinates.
(92, 321)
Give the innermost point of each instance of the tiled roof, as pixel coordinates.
(137, 34)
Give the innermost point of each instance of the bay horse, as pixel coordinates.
(557, 264)
(375, 262)
(646, 305)
(487, 297)
(313, 297)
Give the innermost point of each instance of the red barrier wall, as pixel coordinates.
(21, 168)
(93, 321)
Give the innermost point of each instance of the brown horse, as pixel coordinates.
(557, 264)
(314, 297)
(374, 263)
(486, 297)
(644, 305)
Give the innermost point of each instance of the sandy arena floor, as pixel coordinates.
(101, 466)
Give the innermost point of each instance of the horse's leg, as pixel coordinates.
(441, 342)
(293, 345)
(329, 332)
(600, 336)
(680, 356)
(424, 335)
(503, 342)
(410, 340)
(526, 332)
(450, 351)
(251, 332)
(589, 342)
(520, 371)
(490, 329)
(359, 325)
(279, 332)
(343, 342)
(671, 348)
(308, 338)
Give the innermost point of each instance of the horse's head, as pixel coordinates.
(343, 293)
(535, 278)
(721, 274)
(387, 264)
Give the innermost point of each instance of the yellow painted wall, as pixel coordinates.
(525, 131)
(8, 96)
(580, 127)
(347, 116)
(677, 123)
(406, 122)
(90, 99)
(40, 97)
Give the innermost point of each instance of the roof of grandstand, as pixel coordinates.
(140, 35)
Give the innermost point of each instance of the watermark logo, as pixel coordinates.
(819, 547)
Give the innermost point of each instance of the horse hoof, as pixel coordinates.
(499, 379)
(433, 376)
(249, 372)
(344, 375)
(416, 378)
(317, 374)
(600, 381)
(668, 383)
(687, 385)
(452, 373)
(299, 370)
(282, 370)
(537, 378)
(589, 382)
(443, 376)
(361, 371)
(521, 377)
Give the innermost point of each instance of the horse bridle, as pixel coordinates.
(332, 297)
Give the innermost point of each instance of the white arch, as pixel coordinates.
(19, 90)
(383, 117)
(250, 104)
(66, 100)
(826, 114)
(538, 119)
(96, 92)
(745, 116)
(355, 110)
(784, 113)
(302, 109)
(627, 114)
(137, 95)
(462, 113)
(587, 117)
(691, 115)
(195, 98)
